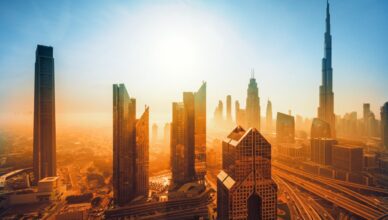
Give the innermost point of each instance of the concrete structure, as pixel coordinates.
(130, 148)
(188, 137)
(47, 192)
(326, 95)
(44, 150)
(285, 128)
(269, 117)
(218, 113)
(240, 115)
(229, 108)
(320, 129)
(154, 133)
(348, 158)
(321, 150)
(384, 125)
(245, 189)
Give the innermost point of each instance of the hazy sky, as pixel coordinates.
(161, 48)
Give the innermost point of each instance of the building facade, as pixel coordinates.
(384, 125)
(285, 128)
(245, 189)
(252, 110)
(229, 108)
(326, 94)
(188, 137)
(130, 148)
(268, 117)
(321, 150)
(44, 144)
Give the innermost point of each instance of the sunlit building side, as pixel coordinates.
(200, 132)
(384, 125)
(142, 154)
(285, 128)
(252, 110)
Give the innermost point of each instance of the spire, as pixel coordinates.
(327, 17)
(252, 73)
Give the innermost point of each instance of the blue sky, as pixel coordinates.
(161, 48)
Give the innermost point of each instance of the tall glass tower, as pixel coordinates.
(44, 150)
(326, 95)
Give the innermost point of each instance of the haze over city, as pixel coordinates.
(175, 45)
(193, 110)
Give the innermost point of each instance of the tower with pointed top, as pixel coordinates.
(253, 104)
(326, 95)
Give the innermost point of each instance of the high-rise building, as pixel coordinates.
(142, 154)
(348, 158)
(366, 114)
(269, 116)
(200, 132)
(154, 133)
(245, 189)
(229, 108)
(285, 128)
(321, 150)
(326, 95)
(218, 113)
(240, 115)
(166, 135)
(130, 148)
(44, 150)
(320, 129)
(252, 110)
(384, 125)
(188, 137)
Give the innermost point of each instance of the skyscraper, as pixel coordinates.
(252, 111)
(229, 108)
(44, 150)
(166, 134)
(366, 114)
(188, 137)
(285, 128)
(218, 113)
(326, 95)
(154, 133)
(245, 189)
(130, 148)
(200, 132)
(384, 125)
(269, 116)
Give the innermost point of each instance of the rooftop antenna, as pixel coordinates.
(252, 73)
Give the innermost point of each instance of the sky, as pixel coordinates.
(161, 48)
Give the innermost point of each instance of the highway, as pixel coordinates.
(334, 184)
(338, 199)
(304, 210)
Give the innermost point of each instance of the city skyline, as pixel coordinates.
(225, 25)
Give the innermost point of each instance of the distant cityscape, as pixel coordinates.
(245, 165)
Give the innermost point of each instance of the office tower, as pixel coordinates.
(348, 158)
(240, 115)
(245, 189)
(366, 114)
(320, 129)
(188, 137)
(200, 132)
(229, 108)
(269, 116)
(130, 148)
(285, 128)
(321, 150)
(218, 117)
(142, 154)
(166, 134)
(252, 109)
(44, 150)
(384, 125)
(326, 95)
(154, 133)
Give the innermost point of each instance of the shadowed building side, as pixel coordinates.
(44, 146)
